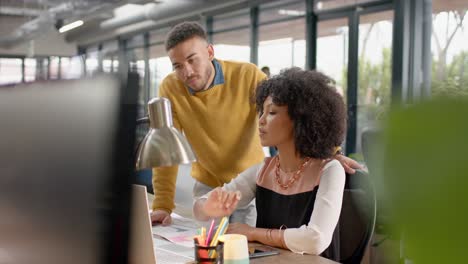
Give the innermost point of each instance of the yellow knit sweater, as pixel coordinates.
(221, 125)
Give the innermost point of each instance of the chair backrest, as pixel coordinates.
(371, 142)
(357, 219)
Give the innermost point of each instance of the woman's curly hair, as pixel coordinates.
(317, 111)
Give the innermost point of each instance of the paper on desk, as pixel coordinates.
(181, 231)
(183, 221)
(168, 252)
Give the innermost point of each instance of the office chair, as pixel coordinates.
(371, 138)
(372, 150)
(357, 219)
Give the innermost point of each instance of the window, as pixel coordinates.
(332, 51)
(71, 68)
(107, 64)
(109, 53)
(92, 63)
(29, 70)
(54, 68)
(231, 36)
(287, 37)
(232, 45)
(332, 4)
(42, 68)
(64, 67)
(10, 70)
(160, 66)
(374, 70)
(449, 48)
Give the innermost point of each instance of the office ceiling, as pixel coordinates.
(23, 20)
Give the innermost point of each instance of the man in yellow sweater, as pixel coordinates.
(211, 104)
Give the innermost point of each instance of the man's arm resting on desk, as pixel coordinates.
(164, 183)
(161, 216)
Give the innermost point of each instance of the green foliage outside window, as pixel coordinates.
(455, 83)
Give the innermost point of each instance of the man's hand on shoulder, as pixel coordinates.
(348, 164)
(161, 216)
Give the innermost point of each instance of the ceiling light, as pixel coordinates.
(289, 12)
(319, 5)
(71, 26)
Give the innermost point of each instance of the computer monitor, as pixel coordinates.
(66, 162)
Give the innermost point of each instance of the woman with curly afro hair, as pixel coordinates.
(298, 192)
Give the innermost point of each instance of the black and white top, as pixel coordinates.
(309, 208)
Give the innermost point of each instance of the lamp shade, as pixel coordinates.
(163, 145)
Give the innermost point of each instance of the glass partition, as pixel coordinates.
(287, 37)
(374, 70)
(332, 51)
(232, 45)
(30, 69)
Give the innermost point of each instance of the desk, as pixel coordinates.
(288, 257)
(285, 256)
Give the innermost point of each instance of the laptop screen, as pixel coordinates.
(65, 166)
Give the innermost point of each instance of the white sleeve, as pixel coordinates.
(245, 182)
(316, 236)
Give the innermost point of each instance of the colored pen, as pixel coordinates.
(210, 233)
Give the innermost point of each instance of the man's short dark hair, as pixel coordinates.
(317, 111)
(183, 31)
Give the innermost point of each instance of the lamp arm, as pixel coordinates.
(139, 121)
(143, 120)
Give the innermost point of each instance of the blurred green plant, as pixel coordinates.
(426, 179)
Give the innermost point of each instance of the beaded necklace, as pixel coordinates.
(296, 175)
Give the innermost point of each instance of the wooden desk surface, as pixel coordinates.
(285, 256)
(288, 257)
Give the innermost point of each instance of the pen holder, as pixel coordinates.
(202, 253)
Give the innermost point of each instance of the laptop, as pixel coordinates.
(145, 248)
(141, 238)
